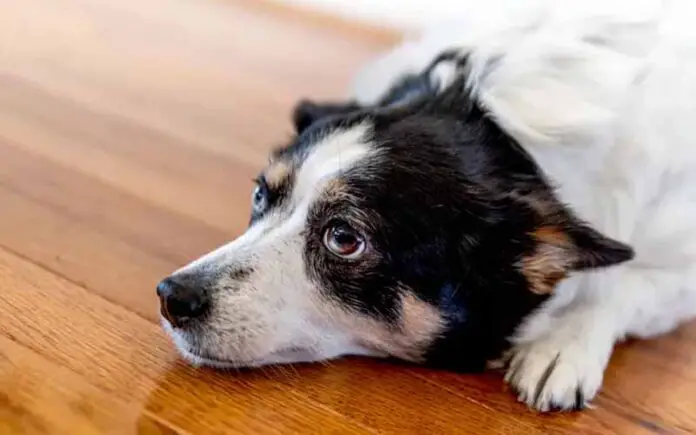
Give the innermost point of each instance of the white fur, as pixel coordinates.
(603, 95)
(338, 152)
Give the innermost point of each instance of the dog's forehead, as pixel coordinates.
(301, 178)
(305, 171)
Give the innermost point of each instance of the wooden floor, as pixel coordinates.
(129, 133)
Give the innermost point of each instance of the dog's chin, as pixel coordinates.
(289, 355)
(294, 356)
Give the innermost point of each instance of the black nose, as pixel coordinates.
(180, 303)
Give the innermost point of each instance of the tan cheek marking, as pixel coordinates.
(420, 324)
(550, 262)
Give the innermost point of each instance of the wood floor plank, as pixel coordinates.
(84, 153)
(640, 379)
(107, 265)
(400, 403)
(109, 210)
(185, 72)
(611, 415)
(105, 84)
(88, 130)
(129, 358)
(624, 405)
(40, 397)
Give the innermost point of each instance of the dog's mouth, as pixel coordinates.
(289, 356)
(199, 358)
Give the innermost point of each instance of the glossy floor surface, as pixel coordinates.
(129, 135)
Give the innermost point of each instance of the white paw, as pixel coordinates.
(555, 375)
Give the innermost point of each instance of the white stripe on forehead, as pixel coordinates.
(223, 253)
(337, 152)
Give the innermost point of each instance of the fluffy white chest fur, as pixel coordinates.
(604, 97)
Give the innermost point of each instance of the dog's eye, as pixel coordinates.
(344, 241)
(259, 199)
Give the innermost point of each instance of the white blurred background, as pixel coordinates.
(399, 14)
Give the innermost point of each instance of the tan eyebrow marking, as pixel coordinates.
(278, 173)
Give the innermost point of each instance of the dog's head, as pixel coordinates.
(416, 229)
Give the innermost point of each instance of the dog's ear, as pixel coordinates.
(567, 247)
(306, 113)
(594, 250)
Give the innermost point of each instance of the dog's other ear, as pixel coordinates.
(307, 112)
(572, 246)
(595, 250)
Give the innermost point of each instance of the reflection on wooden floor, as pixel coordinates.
(129, 133)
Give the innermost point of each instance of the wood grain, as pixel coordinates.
(129, 133)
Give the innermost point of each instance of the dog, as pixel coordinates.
(515, 189)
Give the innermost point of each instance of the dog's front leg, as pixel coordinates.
(559, 364)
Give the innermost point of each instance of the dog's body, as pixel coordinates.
(605, 101)
(602, 100)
